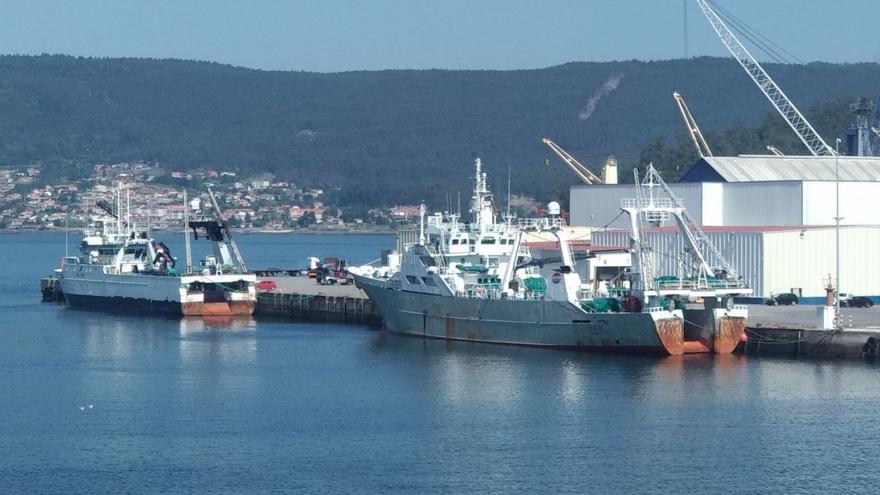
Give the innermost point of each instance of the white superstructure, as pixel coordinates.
(477, 281)
(121, 269)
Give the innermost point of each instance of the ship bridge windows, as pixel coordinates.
(412, 279)
(429, 281)
(455, 242)
(487, 240)
(134, 253)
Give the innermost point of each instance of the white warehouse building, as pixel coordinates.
(754, 190)
(775, 260)
(771, 217)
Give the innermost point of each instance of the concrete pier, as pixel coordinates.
(812, 343)
(303, 299)
(792, 331)
(317, 308)
(772, 330)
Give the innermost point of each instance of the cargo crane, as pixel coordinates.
(799, 124)
(581, 171)
(863, 137)
(692, 127)
(214, 230)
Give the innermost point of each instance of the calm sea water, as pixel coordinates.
(96, 403)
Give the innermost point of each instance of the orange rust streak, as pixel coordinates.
(695, 347)
(219, 308)
(671, 333)
(728, 334)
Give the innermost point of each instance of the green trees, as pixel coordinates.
(673, 157)
(393, 137)
(307, 219)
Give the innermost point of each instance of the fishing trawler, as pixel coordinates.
(121, 269)
(478, 282)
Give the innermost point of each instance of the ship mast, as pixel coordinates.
(481, 204)
(186, 232)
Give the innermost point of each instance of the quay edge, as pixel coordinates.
(850, 343)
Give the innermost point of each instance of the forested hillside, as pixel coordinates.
(390, 136)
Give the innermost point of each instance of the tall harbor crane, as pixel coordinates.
(801, 126)
(693, 129)
(581, 171)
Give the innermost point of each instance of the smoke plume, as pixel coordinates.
(603, 91)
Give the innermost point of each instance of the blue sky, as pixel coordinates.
(342, 35)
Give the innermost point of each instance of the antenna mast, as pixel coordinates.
(508, 191)
(186, 232)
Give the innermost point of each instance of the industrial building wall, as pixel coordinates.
(858, 203)
(712, 203)
(745, 253)
(597, 205)
(762, 203)
(786, 203)
(743, 250)
(804, 259)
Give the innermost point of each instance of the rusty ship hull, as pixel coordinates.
(87, 286)
(537, 323)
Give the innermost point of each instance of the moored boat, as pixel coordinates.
(478, 282)
(121, 269)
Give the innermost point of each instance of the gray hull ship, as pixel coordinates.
(533, 323)
(477, 282)
(120, 269)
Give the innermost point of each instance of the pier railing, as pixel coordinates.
(697, 284)
(318, 308)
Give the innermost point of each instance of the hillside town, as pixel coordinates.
(28, 201)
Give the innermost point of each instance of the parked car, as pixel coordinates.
(784, 299)
(325, 276)
(343, 277)
(266, 286)
(857, 302)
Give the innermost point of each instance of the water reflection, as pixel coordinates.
(462, 373)
(805, 380)
(572, 380)
(196, 324)
(217, 339)
(128, 340)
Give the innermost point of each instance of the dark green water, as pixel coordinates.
(187, 406)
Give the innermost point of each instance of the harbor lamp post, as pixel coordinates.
(837, 226)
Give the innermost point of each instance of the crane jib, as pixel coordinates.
(798, 123)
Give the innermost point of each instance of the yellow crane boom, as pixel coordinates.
(581, 171)
(693, 129)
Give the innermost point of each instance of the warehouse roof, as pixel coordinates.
(746, 229)
(764, 168)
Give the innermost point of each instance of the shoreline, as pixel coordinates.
(236, 231)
